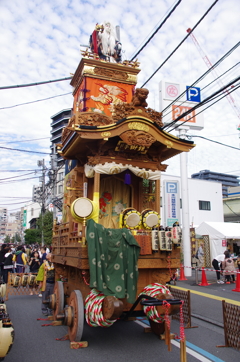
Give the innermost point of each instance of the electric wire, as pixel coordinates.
(223, 96)
(203, 76)
(199, 21)
(158, 28)
(8, 178)
(24, 179)
(38, 100)
(219, 143)
(19, 170)
(206, 100)
(34, 84)
(16, 149)
(34, 139)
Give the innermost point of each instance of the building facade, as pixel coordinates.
(225, 179)
(231, 205)
(205, 200)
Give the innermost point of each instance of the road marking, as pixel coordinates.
(191, 349)
(198, 352)
(208, 295)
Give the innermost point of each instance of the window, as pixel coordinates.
(60, 176)
(204, 205)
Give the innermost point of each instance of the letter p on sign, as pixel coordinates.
(193, 94)
(171, 187)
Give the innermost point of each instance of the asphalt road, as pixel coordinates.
(125, 339)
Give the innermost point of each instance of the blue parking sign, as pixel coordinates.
(193, 94)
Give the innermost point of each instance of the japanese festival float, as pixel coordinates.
(6, 326)
(112, 257)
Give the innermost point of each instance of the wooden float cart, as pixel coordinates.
(114, 156)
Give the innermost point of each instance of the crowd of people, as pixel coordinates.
(21, 259)
(30, 259)
(225, 265)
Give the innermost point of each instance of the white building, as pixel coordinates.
(205, 200)
(32, 211)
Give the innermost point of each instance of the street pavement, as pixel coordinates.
(126, 339)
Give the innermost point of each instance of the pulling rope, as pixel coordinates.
(93, 310)
(151, 312)
(152, 290)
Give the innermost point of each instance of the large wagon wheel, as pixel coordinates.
(75, 329)
(58, 296)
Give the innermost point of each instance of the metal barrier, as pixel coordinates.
(231, 317)
(18, 284)
(186, 297)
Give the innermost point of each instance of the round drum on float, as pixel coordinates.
(150, 219)
(131, 218)
(82, 208)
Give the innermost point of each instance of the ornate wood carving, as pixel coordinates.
(114, 74)
(138, 138)
(93, 119)
(124, 110)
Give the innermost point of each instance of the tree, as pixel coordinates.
(45, 226)
(7, 239)
(32, 236)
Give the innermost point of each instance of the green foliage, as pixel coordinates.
(7, 239)
(45, 226)
(32, 236)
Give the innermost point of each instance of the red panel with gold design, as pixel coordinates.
(97, 95)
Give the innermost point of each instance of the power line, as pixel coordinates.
(205, 74)
(35, 139)
(14, 197)
(38, 100)
(8, 178)
(206, 100)
(16, 203)
(180, 44)
(16, 149)
(19, 170)
(24, 179)
(34, 84)
(158, 28)
(220, 143)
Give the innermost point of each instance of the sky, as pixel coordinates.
(40, 40)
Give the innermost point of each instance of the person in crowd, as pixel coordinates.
(43, 254)
(28, 252)
(200, 254)
(2, 253)
(46, 277)
(228, 268)
(238, 262)
(20, 259)
(217, 263)
(7, 264)
(34, 265)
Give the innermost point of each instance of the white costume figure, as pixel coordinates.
(108, 46)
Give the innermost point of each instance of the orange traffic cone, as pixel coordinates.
(237, 289)
(204, 282)
(182, 275)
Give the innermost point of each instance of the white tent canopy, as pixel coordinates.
(218, 231)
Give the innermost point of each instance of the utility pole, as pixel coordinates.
(186, 247)
(53, 179)
(41, 163)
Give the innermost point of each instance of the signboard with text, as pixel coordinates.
(175, 99)
(171, 202)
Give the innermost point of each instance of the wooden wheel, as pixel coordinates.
(59, 298)
(75, 331)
